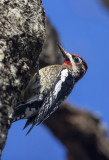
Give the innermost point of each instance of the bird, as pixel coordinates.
(48, 88)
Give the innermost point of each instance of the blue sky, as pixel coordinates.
(83, 27)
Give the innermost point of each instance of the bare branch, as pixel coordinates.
(81, 132)
(106, 2)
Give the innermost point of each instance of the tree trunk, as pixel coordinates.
(22, 34)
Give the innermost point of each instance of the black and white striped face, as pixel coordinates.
(79, 66)
(79, 60)
(74, 62)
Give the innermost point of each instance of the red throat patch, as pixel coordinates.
(67, 64)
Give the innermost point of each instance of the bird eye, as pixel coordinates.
(77, 59)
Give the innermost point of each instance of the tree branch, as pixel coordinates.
(81, 132)
(106, 2)
(22, 35)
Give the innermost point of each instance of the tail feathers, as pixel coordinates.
(30, 128)
(29, 121)
(26, 110)
(32, 121)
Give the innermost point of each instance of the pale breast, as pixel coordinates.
(39, 89)
(48, 77)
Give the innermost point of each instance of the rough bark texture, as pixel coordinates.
(22, 35)
(50, 52)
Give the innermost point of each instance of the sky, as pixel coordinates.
(83, 27)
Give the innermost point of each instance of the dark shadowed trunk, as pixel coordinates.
(23, 29)
(22, 35)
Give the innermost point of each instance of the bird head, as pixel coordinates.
(74, 63)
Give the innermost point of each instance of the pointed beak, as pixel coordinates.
(64, 52)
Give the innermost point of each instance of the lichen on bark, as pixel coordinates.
(22, 34)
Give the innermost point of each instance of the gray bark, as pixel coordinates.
(22, 34)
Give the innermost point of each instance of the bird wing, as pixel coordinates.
(33, 102)
(26, 110)
(58, 93)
